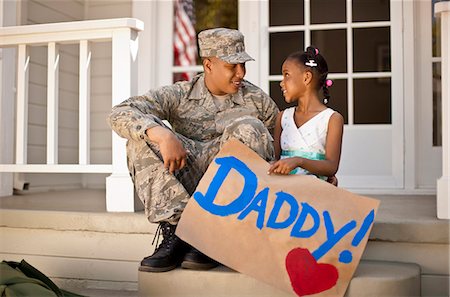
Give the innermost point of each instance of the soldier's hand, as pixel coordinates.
(171, 148)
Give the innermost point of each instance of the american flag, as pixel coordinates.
(184, 42)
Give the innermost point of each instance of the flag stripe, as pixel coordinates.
(184, 43)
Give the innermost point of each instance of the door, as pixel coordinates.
(362, 42)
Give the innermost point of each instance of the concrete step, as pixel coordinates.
(372, 278)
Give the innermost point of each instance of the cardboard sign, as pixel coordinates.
(297, 233)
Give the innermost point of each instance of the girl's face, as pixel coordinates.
(223, 78)
(294, 82)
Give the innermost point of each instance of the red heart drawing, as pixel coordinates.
(306, 275)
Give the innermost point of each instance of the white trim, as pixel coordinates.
(350, 95)
(264, 83)
(65, 33)
(57, 168)
(146, 11)
(344, 75)
(409, 94)
(397, 111)
(164, 43)
(442, 9)
(249, 25)
(294, 28)
(428, 158)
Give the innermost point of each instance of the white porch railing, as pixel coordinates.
(442, 10)
(123, 34)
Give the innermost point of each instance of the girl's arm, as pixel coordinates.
(327, 167)
(277, 136)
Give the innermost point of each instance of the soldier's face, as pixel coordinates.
(221, 77)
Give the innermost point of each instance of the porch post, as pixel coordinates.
(119, 187)
(442, 10)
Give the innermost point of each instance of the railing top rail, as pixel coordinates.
(65, 31)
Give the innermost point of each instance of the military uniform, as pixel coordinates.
(201, 124)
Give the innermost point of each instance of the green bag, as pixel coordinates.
(22, 279)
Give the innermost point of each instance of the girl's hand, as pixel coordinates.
(284, 166)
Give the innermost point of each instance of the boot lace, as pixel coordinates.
(168, 233)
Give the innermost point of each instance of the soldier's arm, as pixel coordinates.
(133, 117)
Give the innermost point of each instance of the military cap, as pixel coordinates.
(223, 43)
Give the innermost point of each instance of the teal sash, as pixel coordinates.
(306, 155)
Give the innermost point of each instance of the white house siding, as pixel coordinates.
(51, 11)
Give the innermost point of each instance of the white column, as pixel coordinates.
(119, 187)
(250, 25)
(442, 10)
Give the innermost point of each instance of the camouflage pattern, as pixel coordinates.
(249, 115)
(225, 44)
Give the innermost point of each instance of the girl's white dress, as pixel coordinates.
(307, 141)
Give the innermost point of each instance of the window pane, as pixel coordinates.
(333, 46)
(285, 12)
(372, 102)
(436, 34)
(328, 11)
(437, 105)
(371, 49)
(371, 10)
(281, 45)
(338, 100)
(277, 96)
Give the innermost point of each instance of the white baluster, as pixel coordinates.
(84, 102)
(52, 102)
(22, 104)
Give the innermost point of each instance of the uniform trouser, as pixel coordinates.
(165, 195)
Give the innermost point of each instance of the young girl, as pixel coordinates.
(307, 137)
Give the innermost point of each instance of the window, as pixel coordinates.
(437, 85)
(355, 40)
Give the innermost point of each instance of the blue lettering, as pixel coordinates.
(259, 205)
(332, 238)
(248, 192)
(364, 228)
(279, 201)
(297, 229)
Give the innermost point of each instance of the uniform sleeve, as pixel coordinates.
(269, 112)
(131, 118)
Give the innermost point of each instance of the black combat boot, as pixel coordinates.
(194, 259)
(168, 254)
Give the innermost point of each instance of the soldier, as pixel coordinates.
(167, 164)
